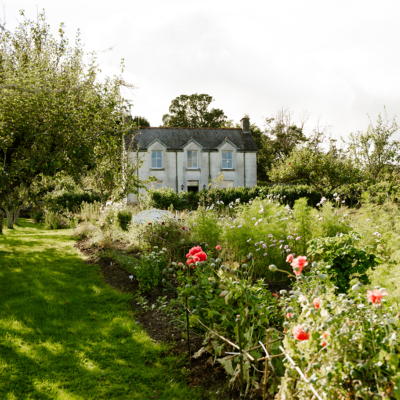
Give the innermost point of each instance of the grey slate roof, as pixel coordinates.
(208, 138)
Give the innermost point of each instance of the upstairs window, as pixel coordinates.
(156, 159)
(227, 160)
(192, 159)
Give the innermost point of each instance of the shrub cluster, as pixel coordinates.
(165, 197)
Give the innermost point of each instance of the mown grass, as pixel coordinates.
(65, 334)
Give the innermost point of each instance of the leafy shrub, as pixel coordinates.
(171, 233)
(206, 227)
(217, 292)
(124, 218)
(71, 199)
(37, 215)
(90, 211)
(347, 347)
(347, 262)
(149, 271)
(55, 220)
(164, 197)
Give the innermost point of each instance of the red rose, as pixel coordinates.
(300, 334)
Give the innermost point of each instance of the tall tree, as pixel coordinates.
(54, 114)
(375, 151)
(141, 121)
(193, 112)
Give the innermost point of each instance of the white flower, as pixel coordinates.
(334, 194)
(237, 200)
(320, 219)
(239, 226)
(256, 223)
(248, 240)
(254, 218)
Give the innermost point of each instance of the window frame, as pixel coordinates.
(224, 152)
(154, 160)
(197, 159)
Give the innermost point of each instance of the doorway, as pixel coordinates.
(193, 186)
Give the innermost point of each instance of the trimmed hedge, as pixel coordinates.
(165, 197)
(59, 199)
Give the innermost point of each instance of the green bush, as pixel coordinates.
(71, 199)
(163, 198)
(149, 271)
(347, 262)
(348, 347)
(124, 218)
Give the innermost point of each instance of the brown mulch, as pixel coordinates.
(203, 372)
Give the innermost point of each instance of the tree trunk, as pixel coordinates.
(16, 215)
(1, 221)
(10, 221)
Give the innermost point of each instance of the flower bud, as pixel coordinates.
(322, 277)
(273, 268)
(314, 264)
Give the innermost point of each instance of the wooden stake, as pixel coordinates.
(266, 367)
(241, 355)
(187, 327)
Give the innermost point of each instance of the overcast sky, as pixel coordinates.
(339, 60)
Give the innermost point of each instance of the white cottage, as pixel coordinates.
(187, 159)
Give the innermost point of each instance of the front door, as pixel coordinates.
(193, 186)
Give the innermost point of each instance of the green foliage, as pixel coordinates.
(141, 121)
(124, 218)
(375, 151)
(169, 233)
(323, 171)
(149, 271)
(352, 350)
(90, 211)
(347, 261)
(55, 114)
(206, 227)
(288, 194)
(192, 112)
(216, 293)
(71, 199)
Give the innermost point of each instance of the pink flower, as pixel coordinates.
(300, 334)
(316, 302)
(300, 262)
(375, 296)
(218, 247)
(289, 315)
(289, 258)
(195, 254)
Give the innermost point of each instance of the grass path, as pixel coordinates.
(65, 334)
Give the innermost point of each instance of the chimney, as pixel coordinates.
(245, 124)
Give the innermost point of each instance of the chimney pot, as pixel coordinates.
(245, 124)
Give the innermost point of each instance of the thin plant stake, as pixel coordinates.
(240, 355)
(187, 327)
(301, 373)
(266, 367)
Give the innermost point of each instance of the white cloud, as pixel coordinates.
(336, 59)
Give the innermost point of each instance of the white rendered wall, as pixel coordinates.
(168, 172)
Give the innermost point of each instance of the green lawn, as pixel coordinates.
(65, 334)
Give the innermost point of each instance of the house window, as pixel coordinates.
(227, 160)
(227, 184)
(156, 159)
(156, 185)
(192, 159)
